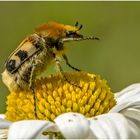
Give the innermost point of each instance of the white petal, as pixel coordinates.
(127, 98)
(30, 129)
(3, 133)
(73, 126)
(132, 113)
(128, 93)
(2, 116)
(114, 126)
(127, 89)
(4, 123)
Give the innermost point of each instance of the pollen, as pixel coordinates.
(55, 96)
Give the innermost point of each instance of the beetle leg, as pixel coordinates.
(31, 86)
(57, 62)
(67, 62)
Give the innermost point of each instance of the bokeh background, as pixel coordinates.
(115, 57)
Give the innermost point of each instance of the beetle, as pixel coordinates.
(37, 51)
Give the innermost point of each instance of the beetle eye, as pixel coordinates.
(73, 34)
(70, 33)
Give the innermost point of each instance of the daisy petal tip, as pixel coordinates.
(26, 129)
(73, 125)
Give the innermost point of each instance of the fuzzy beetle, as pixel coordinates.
(37, 52)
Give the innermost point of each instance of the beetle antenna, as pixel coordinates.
(76, 24)
(80, 27)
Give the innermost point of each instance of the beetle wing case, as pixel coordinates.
(25, 50)
(20, 63)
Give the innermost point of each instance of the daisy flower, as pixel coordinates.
(66, 111)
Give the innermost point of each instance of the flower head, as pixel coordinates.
(56, 96)
(121, 122)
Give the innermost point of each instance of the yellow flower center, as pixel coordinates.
(56, 96)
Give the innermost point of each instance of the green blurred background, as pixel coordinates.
(115, 57)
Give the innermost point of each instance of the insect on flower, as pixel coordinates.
(37, 52)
